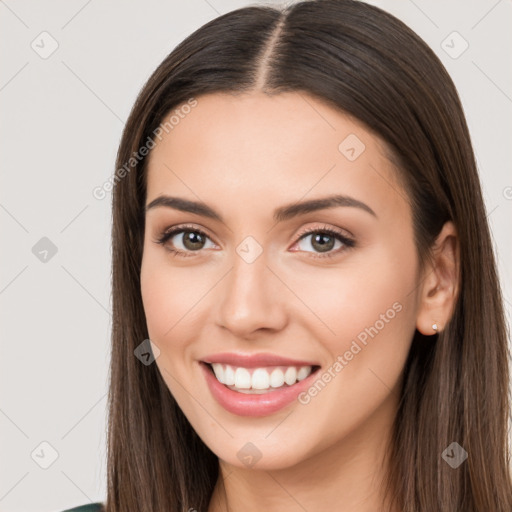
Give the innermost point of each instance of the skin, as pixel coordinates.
(245, 155)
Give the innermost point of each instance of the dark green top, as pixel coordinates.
(91, 507)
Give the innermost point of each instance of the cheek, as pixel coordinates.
(366, 308)
(369, 310)
(168, 295)
(168, 307)
(157, 304)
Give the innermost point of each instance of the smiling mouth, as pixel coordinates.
(259, 380)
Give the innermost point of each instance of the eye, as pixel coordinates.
(191, 239)
(324, 239)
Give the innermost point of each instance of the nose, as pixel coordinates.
(252, 298)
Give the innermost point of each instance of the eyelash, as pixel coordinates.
(166, 235)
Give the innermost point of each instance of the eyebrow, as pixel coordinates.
(280, 214)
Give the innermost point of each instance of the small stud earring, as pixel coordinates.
(434, 326)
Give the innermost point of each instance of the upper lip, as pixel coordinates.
(255, 360)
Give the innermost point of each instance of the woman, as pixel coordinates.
(306, 309)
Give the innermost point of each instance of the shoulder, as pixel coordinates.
(91, 507)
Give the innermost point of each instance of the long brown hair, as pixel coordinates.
(370, 65)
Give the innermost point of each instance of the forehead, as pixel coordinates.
(276, 148)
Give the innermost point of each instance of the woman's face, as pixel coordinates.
(256, 283)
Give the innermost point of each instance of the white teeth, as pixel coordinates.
(219, 371)
(303, 373)
(290, 376)
(259, 380)
(276, 378)
(242, 378)
(229, 376)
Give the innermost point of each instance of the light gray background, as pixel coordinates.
(62, 118)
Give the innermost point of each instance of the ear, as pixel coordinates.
(440, 283)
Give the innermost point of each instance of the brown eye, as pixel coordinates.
(192, 240)
(324, 240)
(187, 240)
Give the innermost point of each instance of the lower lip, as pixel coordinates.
(243, 404)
